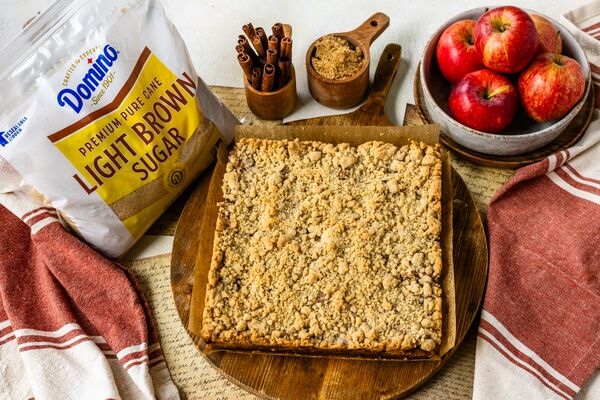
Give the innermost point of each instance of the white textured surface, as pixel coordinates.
(210, 30)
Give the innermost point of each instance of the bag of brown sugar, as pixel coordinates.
(103, 118)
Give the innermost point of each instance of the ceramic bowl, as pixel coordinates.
(523, 134)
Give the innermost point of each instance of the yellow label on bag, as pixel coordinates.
(130, 149)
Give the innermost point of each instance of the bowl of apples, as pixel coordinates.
(503, 81)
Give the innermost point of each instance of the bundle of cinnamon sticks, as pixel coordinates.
(266, 61)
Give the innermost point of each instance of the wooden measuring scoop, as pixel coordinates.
(345, 93)
(372, 111)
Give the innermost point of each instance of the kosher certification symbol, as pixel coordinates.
(175, 177)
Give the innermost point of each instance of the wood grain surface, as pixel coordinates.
(567, 138)
(272, 105)
(303, 377)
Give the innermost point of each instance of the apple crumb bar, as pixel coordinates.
(327, 247)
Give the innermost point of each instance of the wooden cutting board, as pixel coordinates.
(297, 377)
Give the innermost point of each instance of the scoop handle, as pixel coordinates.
(387, 67)
(369, 30)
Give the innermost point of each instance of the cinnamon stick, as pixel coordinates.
(242, 41)
(286, 47)
(277, 29)
(260, 32)
(287, 30)
(249, 30)
(268, 78)
(265, 61)
(256, 77)
(272, 57)
(284, 66)
(258, 46)
(273, 43)
(246, 64)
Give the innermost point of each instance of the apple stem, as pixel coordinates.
(557, 58)
(500, 90)
(500, 26)
(469, 39)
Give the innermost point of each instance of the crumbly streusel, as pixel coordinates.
(328, 246)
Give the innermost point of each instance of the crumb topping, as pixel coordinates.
(328, 246)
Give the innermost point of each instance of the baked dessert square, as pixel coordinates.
(328, 248)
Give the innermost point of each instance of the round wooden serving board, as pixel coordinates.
(566, 139)
(309, 377)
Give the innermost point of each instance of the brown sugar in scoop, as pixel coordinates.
(336, 58)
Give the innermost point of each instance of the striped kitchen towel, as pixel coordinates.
(73, 325)
(539, 334)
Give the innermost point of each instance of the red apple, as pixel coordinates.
(484, 100)
(456, 52)
(506, 38)
(550, 41)
(551, 86)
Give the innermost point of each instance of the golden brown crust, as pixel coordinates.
(327, 247)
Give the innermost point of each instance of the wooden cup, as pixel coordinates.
(272, 105)
(346, 93)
